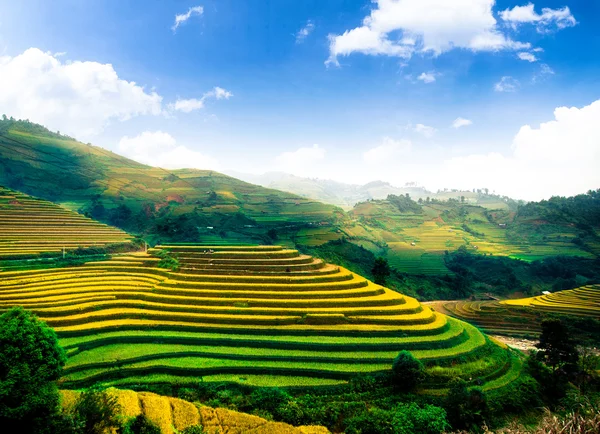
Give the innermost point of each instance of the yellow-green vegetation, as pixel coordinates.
(238, 313)
(414, 239)
(580, 301)
(30, 226)
(173, 415)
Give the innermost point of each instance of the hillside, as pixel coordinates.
(415, 235)
(255, 315)
(579, 307)
(30, 227)
(204, 206)
(170, 205)
(173, 415)
(347, 196)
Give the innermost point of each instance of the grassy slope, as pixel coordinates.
(73, 174)
(183, 205)
(415, 242)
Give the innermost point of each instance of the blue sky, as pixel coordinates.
(349, 90)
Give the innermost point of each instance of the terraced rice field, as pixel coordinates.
(580, 301)
(260, 315)
(522, 317)
(492, 317)
(30, 226)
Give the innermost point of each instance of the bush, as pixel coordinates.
(96, 412)
(194, 429)
(269, 399)
(467, 408)
(407, 370)
(30, 361)
(410, 418)
(141, 425)
(374, 421)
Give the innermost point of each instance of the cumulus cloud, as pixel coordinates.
(182, 18)
(189, 105)
(388, 149)
(402, 27)
(507, 84)
(560, 157)
(304, 32)
(78, 97)
(160, 149)
(424, 130)
(427, 77)
(529, 57)
(548, 20)
(461, 122)
(303, 161)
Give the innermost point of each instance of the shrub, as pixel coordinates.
(467, 408)
(30, 361)
(407, 370)
(410, 418)
(374, 421)
(194, 429)
(141, 425)
(269, 399)
(96, 411)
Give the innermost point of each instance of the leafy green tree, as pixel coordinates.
(381, 271)
(407, 370)
(142, 425)
(96, 412)
(31, 361)
(271, 399)
(467, 408)
(556, 348)
(373, 421)
(410, 418)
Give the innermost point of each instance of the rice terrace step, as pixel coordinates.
(236, 311)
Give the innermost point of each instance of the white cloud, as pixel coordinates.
(182, 18)
(388, 149)
(507, 84)
(160, 149)
(301, 156)
(529, 57)
(304, 32)
(461, 122)
(543, 73)
(403, 27)
(560, 157)
(189, 105)
(303, 161)
(78, 98)
(425, 130)
(546, 21)
(427, 77)
(218, 93)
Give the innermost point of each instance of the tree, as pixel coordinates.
(30, 362)
(407, 370)
(96, 412)
(142, 425)
(466, 408)
(381, 271)
(556, 348)
(410, 418)
(272, 233)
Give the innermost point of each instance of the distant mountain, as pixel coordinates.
(347, 196)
